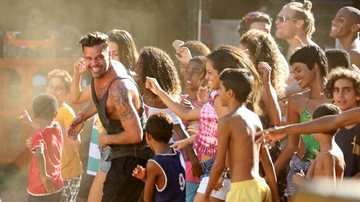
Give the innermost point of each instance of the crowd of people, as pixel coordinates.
(231, 124)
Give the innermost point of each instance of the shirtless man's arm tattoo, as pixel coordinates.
(120, 95)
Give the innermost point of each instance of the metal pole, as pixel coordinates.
(199, 20)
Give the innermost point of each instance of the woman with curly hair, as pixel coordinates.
(156, 63)
(272, 66)
(262, 47)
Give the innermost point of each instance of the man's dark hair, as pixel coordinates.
(160, 127)
(311, 55)
(45, 106)
(94, 38)
(337, 58)
(240, 81)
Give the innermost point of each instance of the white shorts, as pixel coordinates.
(221, 194)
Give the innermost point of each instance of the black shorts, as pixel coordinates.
(46, 198)
(120, 185)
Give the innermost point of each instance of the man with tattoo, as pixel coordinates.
(117, 100)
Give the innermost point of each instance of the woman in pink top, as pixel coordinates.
(205, 142)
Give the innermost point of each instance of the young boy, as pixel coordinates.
(45, 181)
(166, 170)
(329, 163)
(343, 87)
(58, 85)
(236, 143)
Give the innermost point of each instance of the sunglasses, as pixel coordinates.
(282, 19)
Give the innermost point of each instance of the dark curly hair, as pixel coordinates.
(262, 47)
(45, 106)
(342, 73)
(127, 49)
(156, 63)
(197, 48)
(160, 127)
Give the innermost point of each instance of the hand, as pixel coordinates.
(193, 128)
(271, 135)
(48, 183)
(183, 54)
(180, 144)
(79, 66)
(139, 172)
(177, 44)
(203, 94)
(299, 178)
(102, 139)
(186, 103)
(26, 119)
(75, 127)
(28, 142)
(264, 70)
(219, 184)
(153, 85)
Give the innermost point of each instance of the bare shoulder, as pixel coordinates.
(152, 165)
(298, 98)
(123, 98)
(122, 89)
(354, 56)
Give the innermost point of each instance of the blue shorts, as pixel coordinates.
(296, 164)
(206, 167)
(105, 163)
(191, 188)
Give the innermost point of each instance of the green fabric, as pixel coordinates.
(312, 146)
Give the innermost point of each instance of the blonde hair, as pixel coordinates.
(303, 12)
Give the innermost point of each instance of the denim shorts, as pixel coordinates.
(296, 164)
(105, 163)
(206, 167)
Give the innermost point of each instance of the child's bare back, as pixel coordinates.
(329, 164)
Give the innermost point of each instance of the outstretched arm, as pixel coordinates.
(320, 125)
(188, 149)
(183, 112)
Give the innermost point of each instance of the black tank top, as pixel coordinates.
(113, 126)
